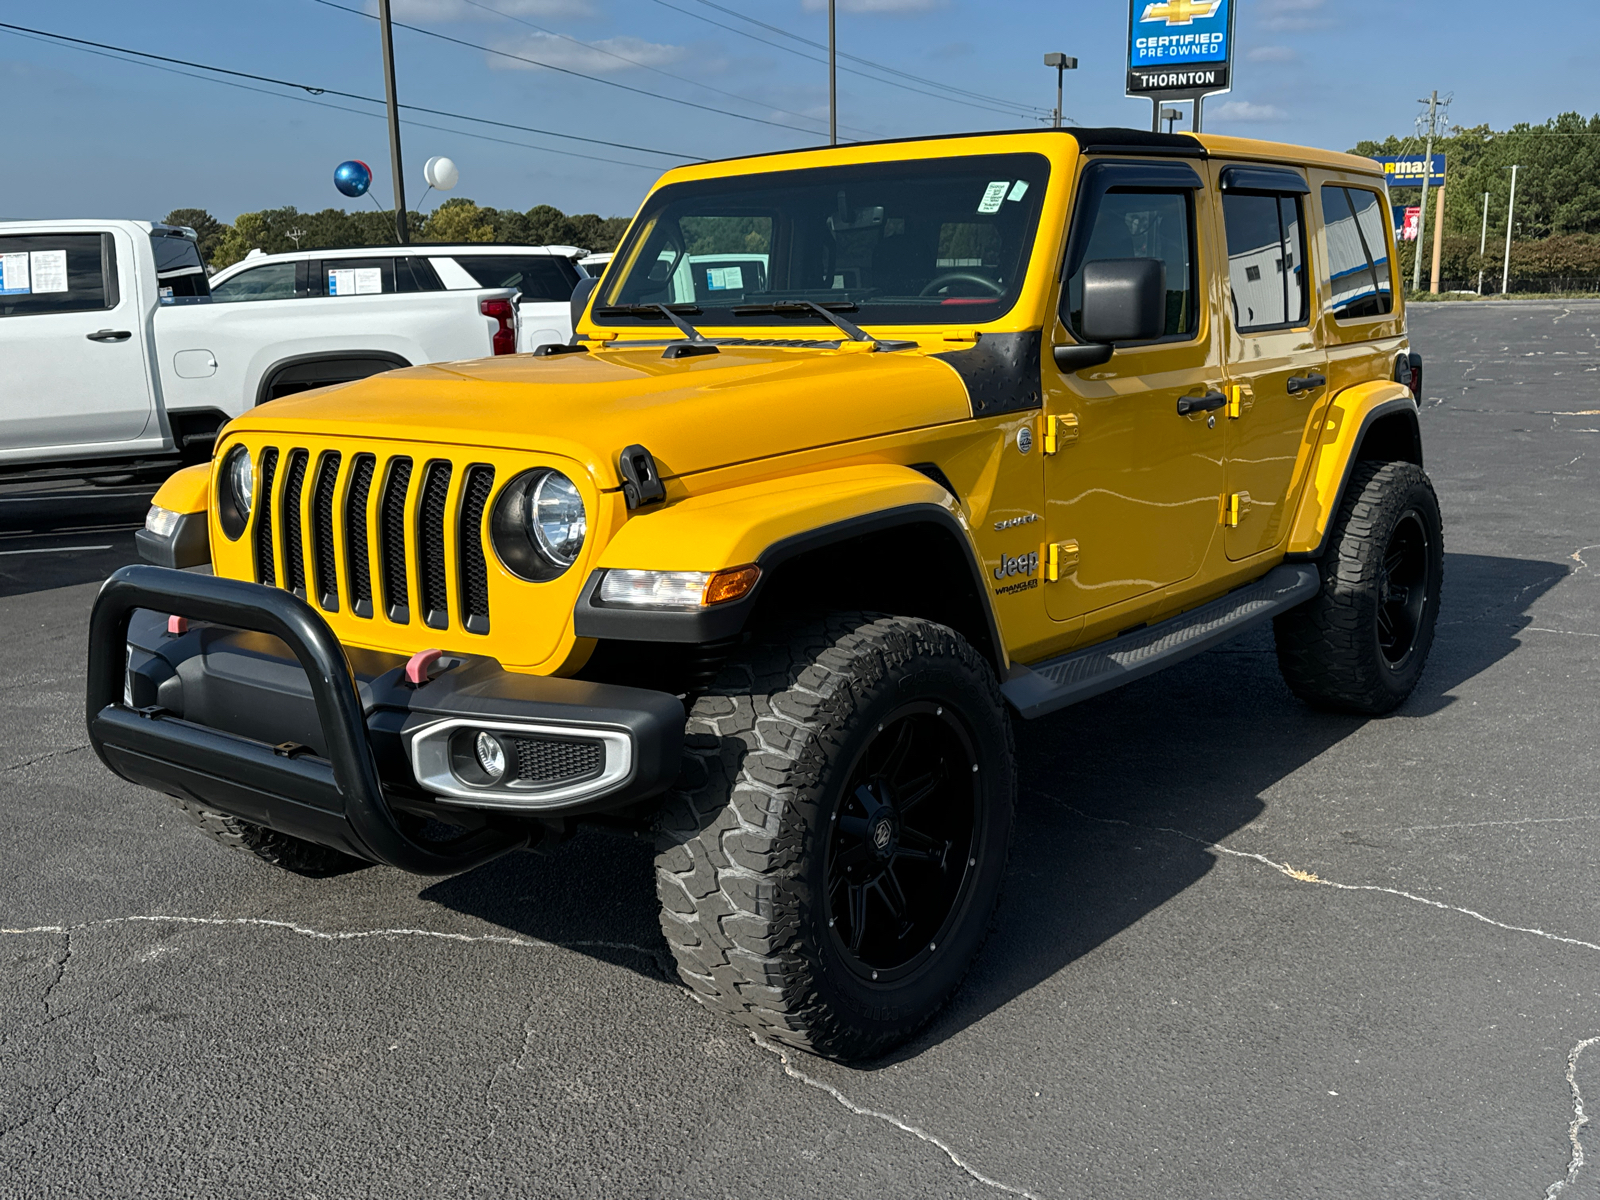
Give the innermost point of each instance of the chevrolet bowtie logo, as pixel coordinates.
(1179, 12)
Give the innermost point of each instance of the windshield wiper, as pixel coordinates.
(670, 312)
(828, 312)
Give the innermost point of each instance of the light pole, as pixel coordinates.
(833, 81)
(1511, 212)
(1427, 177)
(387, 30)
(1171, 117)
(1483, 241)
(1062, 63)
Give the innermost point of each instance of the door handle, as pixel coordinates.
(1306, 383)
(109, 335)
(1194, 404)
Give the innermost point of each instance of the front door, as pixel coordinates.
(1133, 485)
(1277, 368)
(72, 341)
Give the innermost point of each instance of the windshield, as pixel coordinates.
(901, 243)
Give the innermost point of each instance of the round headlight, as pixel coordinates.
(238, 488)
(557, 519)
(539, 524)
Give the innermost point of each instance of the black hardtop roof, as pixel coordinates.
(1097, 140)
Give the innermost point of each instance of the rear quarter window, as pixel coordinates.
(180, 275)
(537, 276)
(56, 273)
(1358, 253)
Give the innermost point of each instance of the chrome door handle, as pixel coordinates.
(109, 335)
(1194, 404)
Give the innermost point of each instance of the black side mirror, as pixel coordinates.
(1124, 300)
(580, 299)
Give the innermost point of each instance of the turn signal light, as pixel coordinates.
(731, 584)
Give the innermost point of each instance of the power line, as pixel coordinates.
(598, 49)
(245, 87)
(320, 91)
(445, 37)
(867, 62)
(744, 33)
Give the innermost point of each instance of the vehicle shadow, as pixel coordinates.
(1192, 749)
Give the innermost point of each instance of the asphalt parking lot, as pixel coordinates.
(1245, 949)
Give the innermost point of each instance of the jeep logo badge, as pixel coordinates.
(1022, 564)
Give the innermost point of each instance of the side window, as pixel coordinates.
(1143, 224)
(416, 275)
(354, 277)
(270, 281)
(56, 273)
(1266, 260)
(180, 275)
(538, 276)
(1358, 253)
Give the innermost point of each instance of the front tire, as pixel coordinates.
(1361, 644)
(831, 857)
(280, 849)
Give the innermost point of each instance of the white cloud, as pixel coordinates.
(881, 7)
(1273, 54)
(460, 10)
(1245, 110)
(603, 57)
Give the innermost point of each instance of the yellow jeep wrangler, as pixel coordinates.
(856, 453)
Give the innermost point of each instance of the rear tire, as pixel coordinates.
(1361, 644)
(831, 856)
(270, 846)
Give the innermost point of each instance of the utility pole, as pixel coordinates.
(387, 30)
(1062, 63)
(833, 80)
(1483, 241)
(1511, 212)
(1427, 175)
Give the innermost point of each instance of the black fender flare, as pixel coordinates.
(271, 375)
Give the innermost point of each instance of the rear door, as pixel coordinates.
(72, 341)
(1276, 364)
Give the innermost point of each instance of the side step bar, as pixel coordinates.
(1057, 682)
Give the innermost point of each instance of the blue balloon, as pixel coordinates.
(353, 178)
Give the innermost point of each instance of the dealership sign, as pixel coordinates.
(1408, 170)
(1179, 49)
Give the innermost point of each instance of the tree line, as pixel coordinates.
(1557, 234)
(279, 230)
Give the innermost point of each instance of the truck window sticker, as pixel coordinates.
(14, 277)
(49, 270)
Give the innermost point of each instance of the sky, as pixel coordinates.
(91, 135)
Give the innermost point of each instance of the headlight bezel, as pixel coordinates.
(522, 547)
(233, 511)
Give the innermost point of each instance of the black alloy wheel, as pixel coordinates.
(898, 859)
(1402, 588)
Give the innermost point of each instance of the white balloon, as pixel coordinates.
(441, 173)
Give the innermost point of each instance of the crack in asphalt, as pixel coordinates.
(1579, 1119)
(46, 757)
(905, 1127)
(1303, 876)
(60, 966)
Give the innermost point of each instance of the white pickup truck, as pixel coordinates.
(121, 358)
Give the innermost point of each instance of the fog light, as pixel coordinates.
(491, 755)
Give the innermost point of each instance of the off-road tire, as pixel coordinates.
(280, 849)
(1330, 649)
(743, 836)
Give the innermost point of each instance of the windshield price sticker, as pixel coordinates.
(360, 281)
(14, 274)
(994, 196)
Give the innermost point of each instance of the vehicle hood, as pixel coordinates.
(692, 414)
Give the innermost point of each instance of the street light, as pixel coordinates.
(1061, 63)
(1171, 116)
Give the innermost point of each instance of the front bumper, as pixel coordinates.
(262, 714)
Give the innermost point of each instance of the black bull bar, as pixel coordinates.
(337, 800)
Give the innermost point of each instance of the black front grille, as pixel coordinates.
(355, 534)
(430, 538)
(469, 537)
(546, 760)
(266, 560)
(322, 532)
(294, 555)
(392, 539)
(323, 497)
